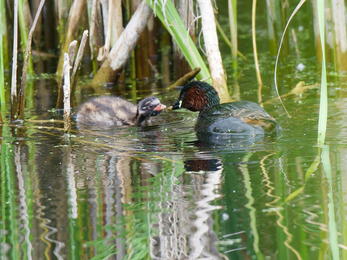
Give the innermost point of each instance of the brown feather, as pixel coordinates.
(194, 99)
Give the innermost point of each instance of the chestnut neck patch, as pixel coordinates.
(195, 99)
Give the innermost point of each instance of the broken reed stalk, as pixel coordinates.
(113, 25)
(104, 51)
(71, 54)
(79, 57)
(66, 87)
(72, 27)
(186, 78)
(21, 101)
(117, 21)
(92, 29)
(120, 52)
(212, 50)
(14, 64)
(105, 14)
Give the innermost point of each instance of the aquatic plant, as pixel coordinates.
(170, 18)
(323, 106)
(3, 53)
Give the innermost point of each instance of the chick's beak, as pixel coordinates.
(159, 107)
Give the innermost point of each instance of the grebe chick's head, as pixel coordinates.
(150, 106)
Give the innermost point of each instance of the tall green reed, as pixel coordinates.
(3, 52)
(232, 7)
(323, 106)
(23, 12)
(275, 24)
(22, 94)
(169, 16)
(14, 62)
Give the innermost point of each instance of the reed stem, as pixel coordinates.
(14, 63)
(3, 52)
(279, 51)
(92, 30)
(66, 87)
(25, 65)
(186, 78)
(24, 17)
(174, 25)
(71, 54)
(323, 104)
(255, 52)
(79, 57)
(212, 49)
(72, 27)
(126, 43)
(226, 40)
(5, 37)
(232, 8)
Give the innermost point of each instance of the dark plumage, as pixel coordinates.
(240, 117)
(111, 111)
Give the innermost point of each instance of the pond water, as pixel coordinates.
(159, 192)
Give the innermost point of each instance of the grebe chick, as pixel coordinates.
(112, 111)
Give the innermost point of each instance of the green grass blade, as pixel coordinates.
(2, 51)
(169, 16)
(323, 107)
(333, 232)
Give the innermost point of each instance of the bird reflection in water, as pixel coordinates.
(185, 226)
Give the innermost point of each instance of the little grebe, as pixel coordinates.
(111, 111)
(240, 117)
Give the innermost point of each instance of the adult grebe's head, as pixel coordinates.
(197, 96)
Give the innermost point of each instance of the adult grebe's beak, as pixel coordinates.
(175, 106)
